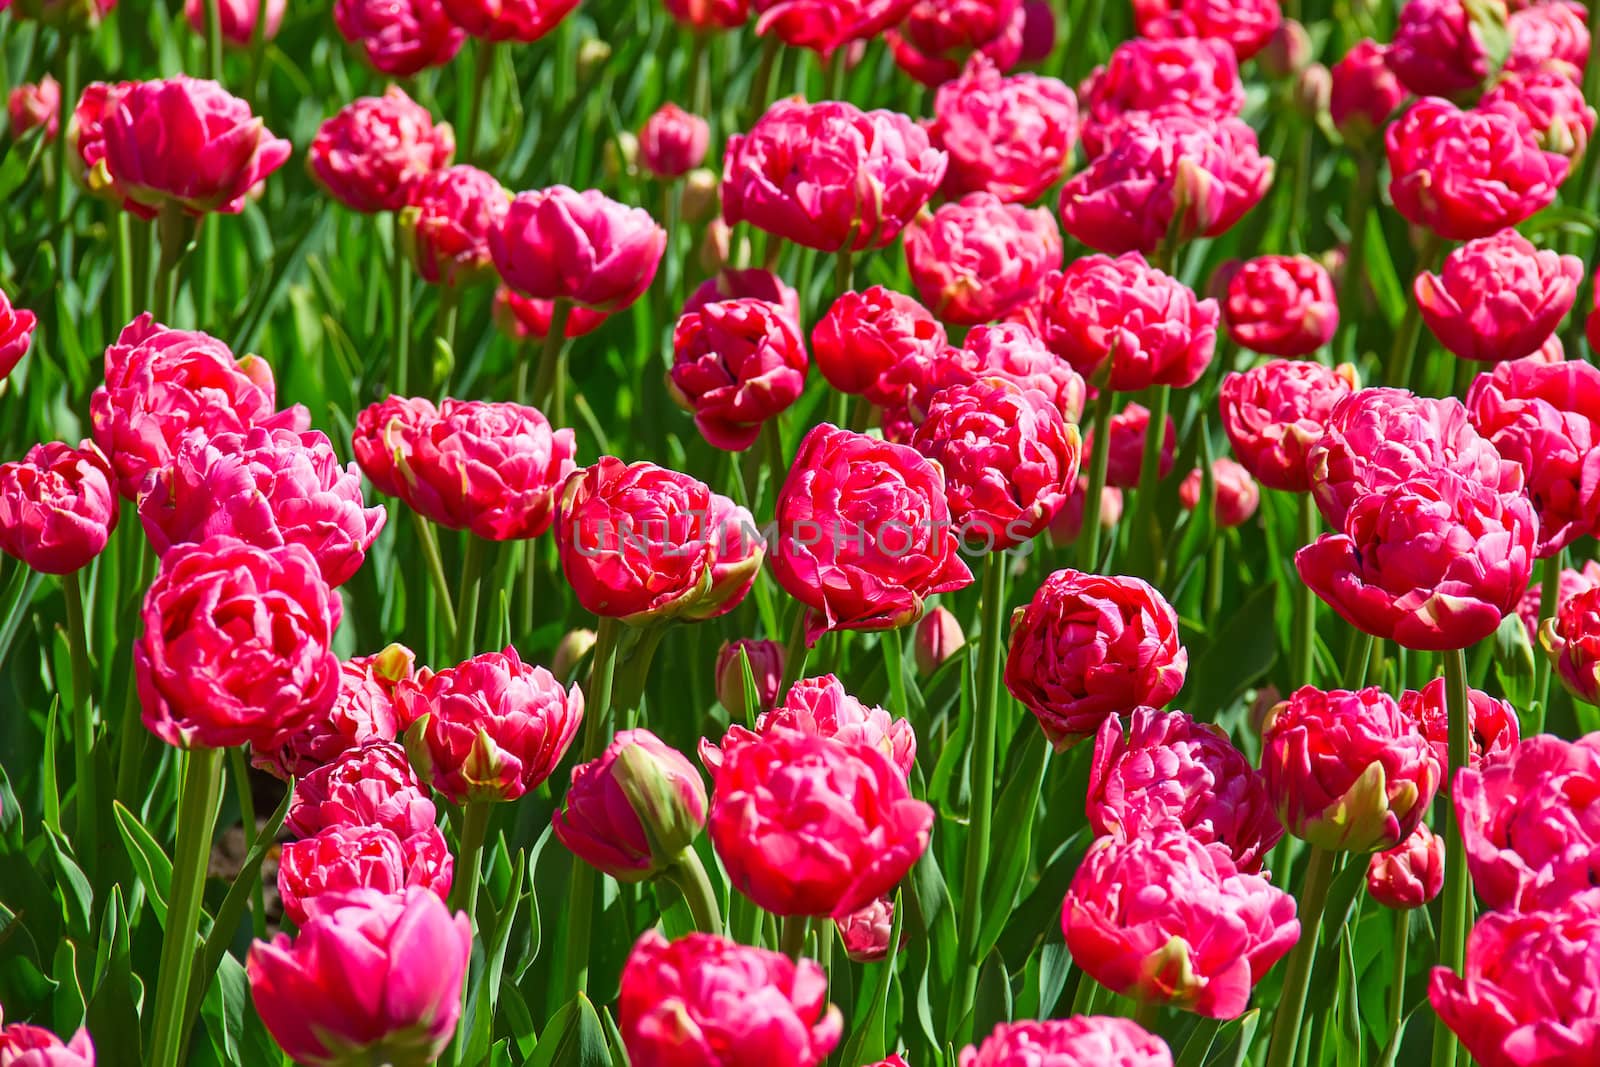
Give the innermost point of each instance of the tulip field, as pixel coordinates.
(782, 533)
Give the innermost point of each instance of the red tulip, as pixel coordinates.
(372, 785)
(736, 364)
(750, 283)
(1551, 102)
(1439, 46)
(523, 21)
(1542, 33)
(22, 1045)
(825, 26)
(1247, 25)
(368, 154)
(560, 244)
(1081, 1041)
(766, 669)
(1236, 495)
(1281, 306)
(522, 318)
(706, 15)
(1365, 91)
(86, 136)
(1273, 414)
(364, 711)
(1128, 429)
(399, 37)
(316, 874)
(1492, 731)
(1011, 137)
(865, 333)
(1570, 584)
(1186, 75)
(237, 18)
(977, 258)
(1572, 641)
(937, 37)
(31, 106)
(1410, 874)
(673, 141)
(58, 506)
(1498, 298)
(449, 218)
(866, 935)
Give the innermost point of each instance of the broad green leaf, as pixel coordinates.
(150, 863)
(1014, 821)
(574, 1038)
(1243, 649)
(867, 1041)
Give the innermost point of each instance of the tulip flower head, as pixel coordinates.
(1080, 1041)
(523, 21)
(1410, 874)
(399, 37)
(863, 334)
(1012, 137)
(584, 248)
(364, 711)
(316, 874)
(736, 364)
(58, 506)
(372, 785)
(1247, 25)
(368, 154)
(1144, 77)
(766, 669)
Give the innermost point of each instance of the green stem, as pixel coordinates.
(1287, 1026)
(1214, 574)
(1088, 553)
(1147, 1013)
(240, 768)
(1155, 437)
(82, 715)
(130, 743)
(1397, 996)
(469, 858)
(980, 772)
(1356, 659)
(1404, 353)
(1549, 601)
(777, 466)
(400, 294)
(214, 40)
(174, 231)
(761, 85)
(197, 812)
(792, 941)
(444, 338)
(843, 264)
(1075, 63)
(441, 585)
(1303, 666)
(1085, 996)
(794, 652)
(689, 875)
(550, 355)
(467, 602)
(124, 268)
(468, 122)
(1456, 906)
(894, 666)
(70, 42)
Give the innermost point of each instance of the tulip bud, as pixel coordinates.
(699, 195)
(1410, 874)
(866, 933)
(938, 637)
(620, 156)
(714, 250)
(673, 141)
(592, 55)
(573, 647)
(766, 667)
(1287, 52)
(1313, 91)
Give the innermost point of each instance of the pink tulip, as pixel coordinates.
(22, 1045)
(1545, 417)
(368, 154)
(810, 825)
(825, 26)
(265, 487)
(235, 648)
(1410, 874)
(1011, 137)
(1377, 438)
(1088, 646)
(1551, 103)
(937, 637)
(938, 37)
(448, 222)
(372, 785)
(1492, 732)
(1347, 770)
(632, 812)
(86, 136)
(58, 506)
(559, 244)
(1365, 91)
(1570, 584)
(1169, 920)
(1247, 25)
(639, 542)
(1170, 770)
(766, 669)
(1128, 430)
(364, 711)
(978, 258)
(522, 318)
(31, 106)
(705, 1001)
(866, 936)
(399, 37)
(673, 141)
(187, 143)
(1081, 1041)
(316, 874)
(376, 979)
(1439, 46)
(736, 364)
(1186, 76)
(1236, 495)
(383, 436)
(1466, 174)
(1526, 996)
(820, 707)
(829, 176)
(237, 18)
(1009, 459)
(750, 283)
(1281, 306)
(488, 729)
(1498, 298)
(1548, 32)
(704, 16)
(523, 21)
(1273, 414)
(865, 333)
(16, 334)
(1571, 639)
(864, 533)
(1168, 175)
(1068, 523)
(1148, 325)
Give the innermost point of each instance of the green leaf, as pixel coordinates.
(236, 1031)
(1198, 1046)
(114, 1005)
(1055, 965)
(1514, 663)
(150, 864)
(1244, 648)
(72, 887)
(51, 816)
(481, 1019)
(66, 1005)
(1014, 818)
(866, 1044)
(19, 594)
(992, 1004)
(1236, 1037)
(934, 914)
(574, 1038)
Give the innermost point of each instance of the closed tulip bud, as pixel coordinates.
(715, 251)
(399, 37)
(1081, 1041)
(938, 636)
(368, 154)
(31, 106)
(1236, 495)
(632, 812)
(1410, 874)
(866, 933)
(1347, 771)
(700, 197)
(446, 223)
(1364, 92)
(673, 141)
(619, 156)
(574, 645)
(22, 1045)
(1313, 91)
(766, 668)
(1287, 52)
(58, 506)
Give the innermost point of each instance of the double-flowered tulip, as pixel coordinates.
(1281, 305)
(1410, 874)
(978, 258)
(399, 37)
(1273, 415)
(1012, 137)
(1145, 77)
(735, 365)
(581, 247)
(364, 711)
(1498, 298)
(1247, 25)
(316, 874)
(368, 154)
(1081, 1041)
(58, 506)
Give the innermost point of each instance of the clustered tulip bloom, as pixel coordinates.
(265, 487)
(1492, 728)
(820, 707)
(1169, 920)
(766, 671)
(1128, 429)
(1572, 641)
(1169, 770)
(864, 533)
(372, 785)
(364, 711)
(399, 37)
(1088, 646)
(1009, 459)
(367, 155)
(16, 334)
(673, 141)
(316, 874)
(24, 1045)
(863, 334)
(1365, 91)
(188, 143)
(58, 506)
(1247, 25)
(375, 978)
(706, 1000)
(522, 317)
(490, 728)
(560, 244)
(447, 222)
(1273, 415)
(736, 364)
(639, 542)
(1281, 305)
(237, 18)
(937, 36)
(1347, 770)
(1467, 174)
(235, 647)
(524, 21)
(1187, 75)
(1526, 995)
(1235, 494)
(1166, 175)
(828, 175)
(1439, 47)
(1551, 103)
(1410, 874)
(1542, 33)
(937, 637)
(1012, 137)
(866, 934)
(1104, 1041)
(33, 105)
(1498, 298)
(853, 840)
(633, 811)
(977, 258)
(1148, 325)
